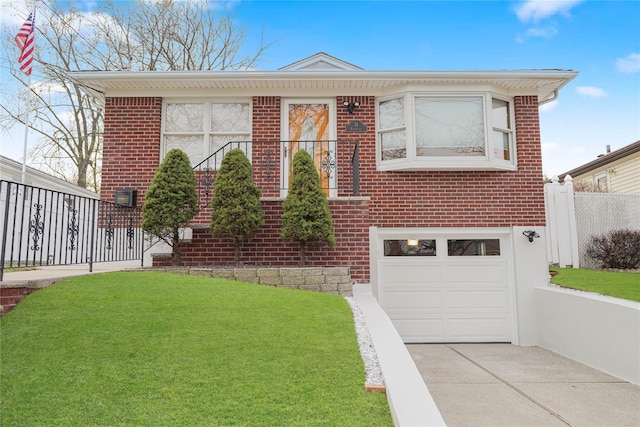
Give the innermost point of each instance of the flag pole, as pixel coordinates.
(26, 132)
(25, 41)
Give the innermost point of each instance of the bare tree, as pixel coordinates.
(142, 35)
(587, 186)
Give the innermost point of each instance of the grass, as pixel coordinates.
(9, 268)
(152, 348)
(619, 285)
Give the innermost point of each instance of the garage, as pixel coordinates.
(453, 287)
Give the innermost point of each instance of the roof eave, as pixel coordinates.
(603, 160)
(315, 75)
(547, 82)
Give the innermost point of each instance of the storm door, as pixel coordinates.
(310, 126)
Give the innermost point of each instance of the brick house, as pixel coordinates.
(432, 177)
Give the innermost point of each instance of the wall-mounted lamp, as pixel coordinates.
(530, 234)
(412, 242)
(125, 197)
(350, 106)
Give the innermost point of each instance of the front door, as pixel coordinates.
(309, 126)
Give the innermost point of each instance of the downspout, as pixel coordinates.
(553, 98)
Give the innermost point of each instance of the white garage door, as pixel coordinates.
(447, 288)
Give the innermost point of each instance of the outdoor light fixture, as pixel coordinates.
(412, 242)
(125, 197)
(530, 234)
(350, 106)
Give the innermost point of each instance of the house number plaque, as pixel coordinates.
(356, 126)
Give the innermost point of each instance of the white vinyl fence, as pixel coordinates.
(574, 218)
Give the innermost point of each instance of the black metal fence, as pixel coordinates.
(337, 162)
(45, 227)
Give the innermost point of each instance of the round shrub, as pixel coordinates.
(618, 249)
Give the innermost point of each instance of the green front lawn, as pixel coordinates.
(619, 285)
(157, 349)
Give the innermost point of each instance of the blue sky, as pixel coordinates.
(599, 39)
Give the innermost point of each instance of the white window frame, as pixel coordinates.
(488, 161)
(597, 177)
(206, 132)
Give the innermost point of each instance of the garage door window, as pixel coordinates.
(473, 247)
(410, 248)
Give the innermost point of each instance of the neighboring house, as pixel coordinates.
(432, 177)
(11, 170)
(614, 172)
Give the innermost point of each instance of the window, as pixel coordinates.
(202, 128)
(501, 119)
(473, 247)
(429, 131)
(410, 247)
(449, 126)
(184, 129)
(602, 182)
(392, 130)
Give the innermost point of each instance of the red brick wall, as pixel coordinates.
(131, 147)
(10, 297)
(266, 248)
(266, 128)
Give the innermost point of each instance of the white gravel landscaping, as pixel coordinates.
(368, 352)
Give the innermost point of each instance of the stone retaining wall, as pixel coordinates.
(335, 280)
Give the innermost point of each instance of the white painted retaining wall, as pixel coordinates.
(598, 331)
(409, 399)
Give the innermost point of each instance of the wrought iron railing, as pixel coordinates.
(45, 227)
(337, 162)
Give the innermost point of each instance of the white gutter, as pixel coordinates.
(553, 97)
(320, 75)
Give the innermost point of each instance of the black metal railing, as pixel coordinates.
(337, 162)
(45, 227)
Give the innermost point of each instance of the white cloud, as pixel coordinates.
(44, 88)
(536, 10)
(546, 32)
(548, 106)
(88, 5)
(560, 157)
(591, 91)
(11, 15)
(550, 147)
(629, 64)
(206, 4)
(66, 116)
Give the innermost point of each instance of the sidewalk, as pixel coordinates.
(45, 276)
(508, 385)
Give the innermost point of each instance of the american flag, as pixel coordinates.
(24, 40)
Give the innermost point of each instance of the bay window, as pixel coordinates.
(442, 131)
(201, 128)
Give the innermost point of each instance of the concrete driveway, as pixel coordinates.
(508, 385)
